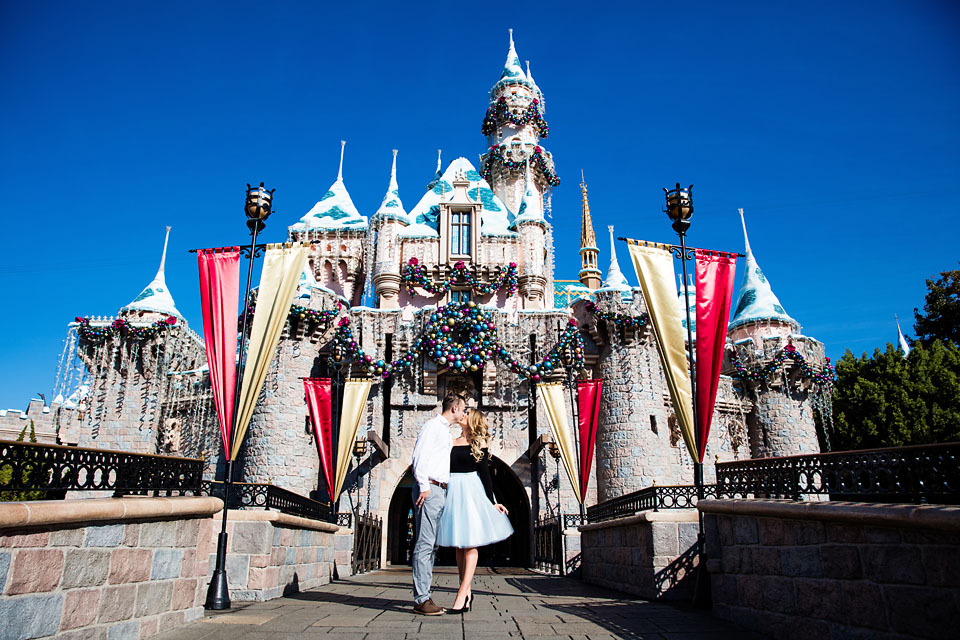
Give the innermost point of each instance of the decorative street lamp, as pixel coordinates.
(359, 450)
(555, 453)
(679, 209)
(258, 206)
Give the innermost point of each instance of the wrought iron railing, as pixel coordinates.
(650, 499)
(251, 495)
(345, 520)
(573, 520)
(366, 543)
(917, 474)
(55, 469)
(548, 545)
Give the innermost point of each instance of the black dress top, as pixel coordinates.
(461, 461)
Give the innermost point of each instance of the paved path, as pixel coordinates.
(508, 604)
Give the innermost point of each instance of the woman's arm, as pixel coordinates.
(483, 470)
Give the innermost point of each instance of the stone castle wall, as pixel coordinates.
(12, 422)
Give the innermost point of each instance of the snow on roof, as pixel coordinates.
(495, 218)
(756, 300)
(156, 297)
(615, 280)
(335, 210)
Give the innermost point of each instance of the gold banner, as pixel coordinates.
(282, 267)
(553, 399)
(355, 393)
(654, 265)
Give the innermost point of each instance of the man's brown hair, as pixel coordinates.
(450, 401)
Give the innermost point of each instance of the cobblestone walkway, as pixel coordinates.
(507, 604)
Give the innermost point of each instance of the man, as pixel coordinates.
(431, 471)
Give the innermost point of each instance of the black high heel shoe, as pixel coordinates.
(463, 609)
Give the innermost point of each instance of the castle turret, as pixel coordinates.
(781, 421)
(589, 273)
(514, 125)
(155, 301)
(387, 222)
(532, 228)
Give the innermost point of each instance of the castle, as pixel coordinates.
(138, 381)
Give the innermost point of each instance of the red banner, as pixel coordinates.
(588, 412)
(219, 302)
(318, 403)
(715, 272)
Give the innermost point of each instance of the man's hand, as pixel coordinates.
(502, 509)
(422, 498)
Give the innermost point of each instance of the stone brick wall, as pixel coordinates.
(272, 554)
(651, 555)
(835, 570)
(13, 421)
(83, 569)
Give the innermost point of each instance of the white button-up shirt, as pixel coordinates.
(431, 453)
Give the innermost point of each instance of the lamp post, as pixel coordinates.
(258, 206)
(359, 450)
(679, 209)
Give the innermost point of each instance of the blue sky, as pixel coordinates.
(834, 125)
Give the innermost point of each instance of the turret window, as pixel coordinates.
(460, 229)
(460, 295)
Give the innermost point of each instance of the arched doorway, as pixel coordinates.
(512, 552)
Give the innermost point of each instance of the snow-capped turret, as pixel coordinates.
(392, 207)
(512, 71)
(438, 174)
(156, 297)
(756, 301)
(615, 280)
(335, 210)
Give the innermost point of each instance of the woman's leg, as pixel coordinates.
(460, 564)
(469, 567)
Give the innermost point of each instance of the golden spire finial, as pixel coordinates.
(587, 236)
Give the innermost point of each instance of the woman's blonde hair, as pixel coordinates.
(479, 433)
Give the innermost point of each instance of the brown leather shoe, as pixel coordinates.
(428, 608)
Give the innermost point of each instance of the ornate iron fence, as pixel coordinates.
(345, 520)
(573, 520)
(249, 495)
(653, 498)
(548, 545)
(55, 469)
(923, 473)
(366, 543)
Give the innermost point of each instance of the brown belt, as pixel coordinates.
(442, 485)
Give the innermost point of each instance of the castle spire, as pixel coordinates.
(392, 205)
(512, 68)
(343, 143)
(615, 278)
(589, 273)
(756, 301)
(155, 297)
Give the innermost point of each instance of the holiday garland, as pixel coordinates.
(619, 319)
(499, 113)
(823, 377)
(299, 312)
(462, 337)
(85, 331)
(415, 275)
(495, 156)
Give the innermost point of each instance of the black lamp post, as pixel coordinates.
(359, 450)
(679, 209)
(258, 206)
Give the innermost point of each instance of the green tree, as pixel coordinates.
(887, 400)
(32, 474)
(940, 319)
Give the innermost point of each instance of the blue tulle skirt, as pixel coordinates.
(469, 518)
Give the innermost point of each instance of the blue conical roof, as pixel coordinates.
(615, 280)
(335, 210)
(392, 207)
(512, 71)
(756, 300)
(156, 297)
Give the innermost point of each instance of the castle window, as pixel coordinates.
(460, 296)
(460, 233)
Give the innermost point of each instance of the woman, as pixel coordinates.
(471, 518)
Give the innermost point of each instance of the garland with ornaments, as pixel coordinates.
(90, 333)
(415, 275)
(298, 313)
(462, 337)
(499, 113)
(823, 377)
(495, 156)
(619, 319)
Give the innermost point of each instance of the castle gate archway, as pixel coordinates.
(512, 552)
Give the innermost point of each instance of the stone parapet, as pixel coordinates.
(832, 570)
(273, 554)
(651, 555)
(117, 568)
